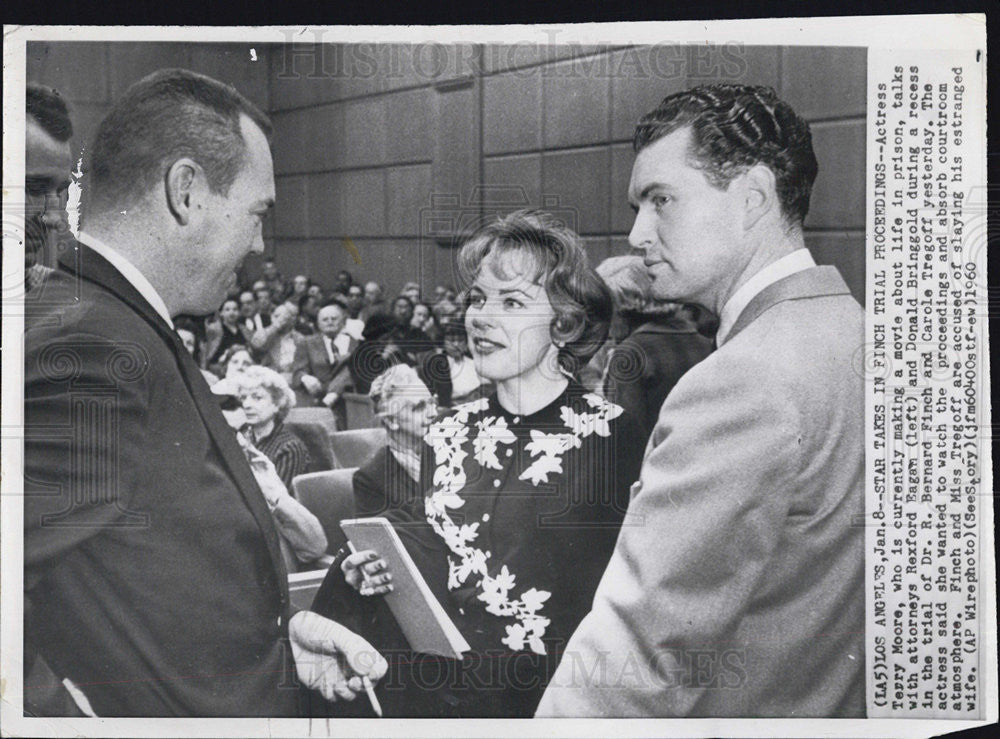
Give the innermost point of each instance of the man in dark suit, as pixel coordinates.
(154, 583)
(320, 372)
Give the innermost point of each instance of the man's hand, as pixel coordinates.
(331, 658)
(312, 384)
(330, 399)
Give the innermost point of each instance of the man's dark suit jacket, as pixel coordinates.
(311, 358)
(153, 573)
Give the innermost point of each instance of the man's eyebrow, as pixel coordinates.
(651, 187)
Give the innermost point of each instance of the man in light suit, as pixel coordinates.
(737, 583)
(154, 582)
(320, 372)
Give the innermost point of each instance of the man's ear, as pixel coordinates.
(182, 182)
(759, 194)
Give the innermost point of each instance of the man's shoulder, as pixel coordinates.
(68, 305)
(809, 329)
(795, 354)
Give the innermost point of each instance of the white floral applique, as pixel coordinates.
(448, 438)
(492, 431)
(549, 448)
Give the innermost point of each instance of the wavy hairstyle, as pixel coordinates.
(580, 299)
(735, 127)
(266, 378)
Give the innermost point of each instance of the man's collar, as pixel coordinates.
(130, 273)
(797, 261)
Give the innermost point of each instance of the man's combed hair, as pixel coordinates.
(166, 116)
(735, 127)
(49, 109)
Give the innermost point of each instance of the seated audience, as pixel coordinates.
(422, 318)
(275, 345)
(236, 359)
(301, 535)
(355, 301)
(223, 333)
(448, 369)
(309, 305)
(412, 339)
(265, 306)
(377, 352)
(320, 371)
(298, 287)
(248, 311)
(391, 478)
(189, 337)
(374, 301)
(466, 382)
(344, 282)
(657, 342)
(273, 280)
(412, 291)
(266, 399)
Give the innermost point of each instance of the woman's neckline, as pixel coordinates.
(555, 401)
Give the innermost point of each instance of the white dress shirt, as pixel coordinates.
(130, 273)
(797, 261)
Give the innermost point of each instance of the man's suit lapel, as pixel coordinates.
(814, 282)
(92, 266)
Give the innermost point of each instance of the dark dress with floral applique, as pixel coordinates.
(518, 521)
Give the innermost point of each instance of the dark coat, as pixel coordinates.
(382, 484)
(646, 365)
(153, 573)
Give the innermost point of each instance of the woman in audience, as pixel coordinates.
(302, 538)
(236, 359)
(422, 319)
(391, 478)
(223, 333)
(266, 400)
(524, 491)
(655, 342)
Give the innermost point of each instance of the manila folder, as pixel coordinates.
(421, 617)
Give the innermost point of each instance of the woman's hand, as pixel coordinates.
(367, 562)
(265, 473)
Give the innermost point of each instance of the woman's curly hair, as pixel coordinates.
(556, 260)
